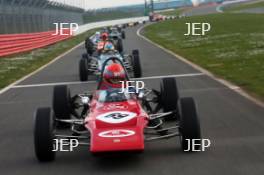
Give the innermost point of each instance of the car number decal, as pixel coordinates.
(116, 116)
(116, 133)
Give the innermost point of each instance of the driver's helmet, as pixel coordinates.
(104, 36)
(109, 46)
(114, 75)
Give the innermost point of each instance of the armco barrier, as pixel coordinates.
(17, 43)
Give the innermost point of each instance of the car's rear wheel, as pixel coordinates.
(123, 35)
(119, 46)
(189, 125)
(43, 134)
(87, 57)
(62, 104)
(169, 96)
(83, 69)
(119, 29)
(89, 46)
(136, 64)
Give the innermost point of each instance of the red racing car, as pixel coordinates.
(115, 117)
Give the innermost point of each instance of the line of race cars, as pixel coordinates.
(116, 116)
(103, 45)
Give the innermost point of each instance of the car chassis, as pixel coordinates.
(93, 64)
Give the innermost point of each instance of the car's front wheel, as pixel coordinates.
(43, 134)
(169, 96)
(189, 125)
(136, 64)
(62, 104)
(83, 69)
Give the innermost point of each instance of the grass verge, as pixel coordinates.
(233, 49)
(243, 6)
(15, 67)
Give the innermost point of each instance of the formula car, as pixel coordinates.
(92, 64)
(116, 33)
(91, 43)
(111, 119)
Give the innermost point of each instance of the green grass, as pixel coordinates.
(175, 12)
(243, 6)
(14, 67)
(233, 49)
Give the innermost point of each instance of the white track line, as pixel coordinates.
(51, 84)
(78, 82)
(169, 76)
(39, 69)
(222, 81)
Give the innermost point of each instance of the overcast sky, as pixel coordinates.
(92, 4)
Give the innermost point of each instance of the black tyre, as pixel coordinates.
(89, 46)
(135, 52)
(119, 46)
(123, 35)
(83, 69)
(87, 57)
(136, 64)
(62, 103)
(169, 96)
(189, 125)
(43, 134)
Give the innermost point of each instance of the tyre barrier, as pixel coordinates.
(18, 43)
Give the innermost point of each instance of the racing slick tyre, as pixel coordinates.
(62, 104)
(136, 64)
(119, 46)
(119, 29)
(123, 35)
(83, 69)
(89, 46)
(189, 125)
(169, 96)
(43, 135)
(87, 57)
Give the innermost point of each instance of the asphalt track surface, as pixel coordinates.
(258, 10)
(234, 125)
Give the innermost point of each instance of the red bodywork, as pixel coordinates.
(156, 17)
(110, 132)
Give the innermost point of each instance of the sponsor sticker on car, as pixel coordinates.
(116, 133)
(116, 116)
